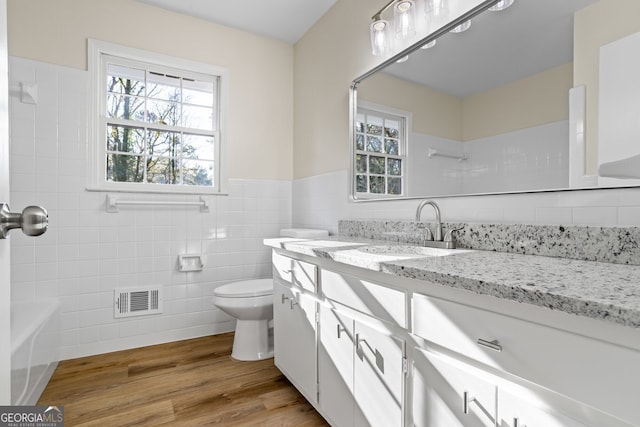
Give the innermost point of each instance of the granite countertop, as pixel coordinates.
(598, 290)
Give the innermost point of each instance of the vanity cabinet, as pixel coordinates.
(439, 388)
(447, 391)
(335, 367)
(378, 377)
(345, 337)
(361, 356)
(521, 407)
(361, 372)
(294, 323)
(575, 367)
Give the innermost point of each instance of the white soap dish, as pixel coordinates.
(190, 262)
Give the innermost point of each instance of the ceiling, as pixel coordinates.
(285, 20)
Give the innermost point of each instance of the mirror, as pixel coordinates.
(483, 111)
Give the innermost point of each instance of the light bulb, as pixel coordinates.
(404, 17)
(435, 8)
(501, 5)
(379, 37)
(462, 27)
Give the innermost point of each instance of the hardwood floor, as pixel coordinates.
(184, 383)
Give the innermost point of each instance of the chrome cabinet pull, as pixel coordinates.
(339, 329)
(284, 298)
(516, 423)
(493, 345)
(33, 220)
(466, 400)
(292, 303)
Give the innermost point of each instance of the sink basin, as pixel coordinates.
(406, 251)
(373, 256)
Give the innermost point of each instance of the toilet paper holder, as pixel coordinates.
(190, 262)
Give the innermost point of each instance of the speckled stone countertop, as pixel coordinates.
(598, 290)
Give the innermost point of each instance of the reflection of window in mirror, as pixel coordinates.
(380, 153)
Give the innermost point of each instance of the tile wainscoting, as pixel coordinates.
(321, 201)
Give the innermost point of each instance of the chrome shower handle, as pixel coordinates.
(33, 220)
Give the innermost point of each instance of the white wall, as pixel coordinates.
(260, 115)
(87, 252)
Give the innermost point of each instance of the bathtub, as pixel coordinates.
(35, 336)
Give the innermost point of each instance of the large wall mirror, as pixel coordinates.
(483, 111)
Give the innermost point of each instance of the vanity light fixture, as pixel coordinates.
(435, 8)
(379, 31)
(404, 22)
(429, 45)
(501, 5)
(462, 27)
(404, 17)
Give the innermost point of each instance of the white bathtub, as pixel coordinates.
(35, 336)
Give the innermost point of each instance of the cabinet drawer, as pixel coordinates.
(297, 273)
(385, 303)
(574, 365)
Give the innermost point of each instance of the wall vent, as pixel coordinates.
(130, 302)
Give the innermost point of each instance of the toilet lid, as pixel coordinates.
(246, 288)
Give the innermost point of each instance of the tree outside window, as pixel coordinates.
(160, 128)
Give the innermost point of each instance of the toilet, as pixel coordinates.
(250, 302)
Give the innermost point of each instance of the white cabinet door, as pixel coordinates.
(335, 366)
(294, 334)
(533, 406)
(597, 373)
(519, 407)
(360, 371)
(378, 377)
(440, 387)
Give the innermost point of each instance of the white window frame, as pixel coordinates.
(98, 51)
(406, 117)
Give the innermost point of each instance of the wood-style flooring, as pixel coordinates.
(185, 383)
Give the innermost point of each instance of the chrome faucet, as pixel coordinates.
(436, 239)
(438, 233)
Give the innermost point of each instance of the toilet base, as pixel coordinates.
(253, 340)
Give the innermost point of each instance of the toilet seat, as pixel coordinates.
(245, 289)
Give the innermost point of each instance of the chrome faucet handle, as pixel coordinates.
(448, 237)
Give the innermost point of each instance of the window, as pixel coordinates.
(157, 122)
(380, 152)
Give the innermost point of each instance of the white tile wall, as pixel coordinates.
(87, 252)
(322, 200)
(514, 161)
